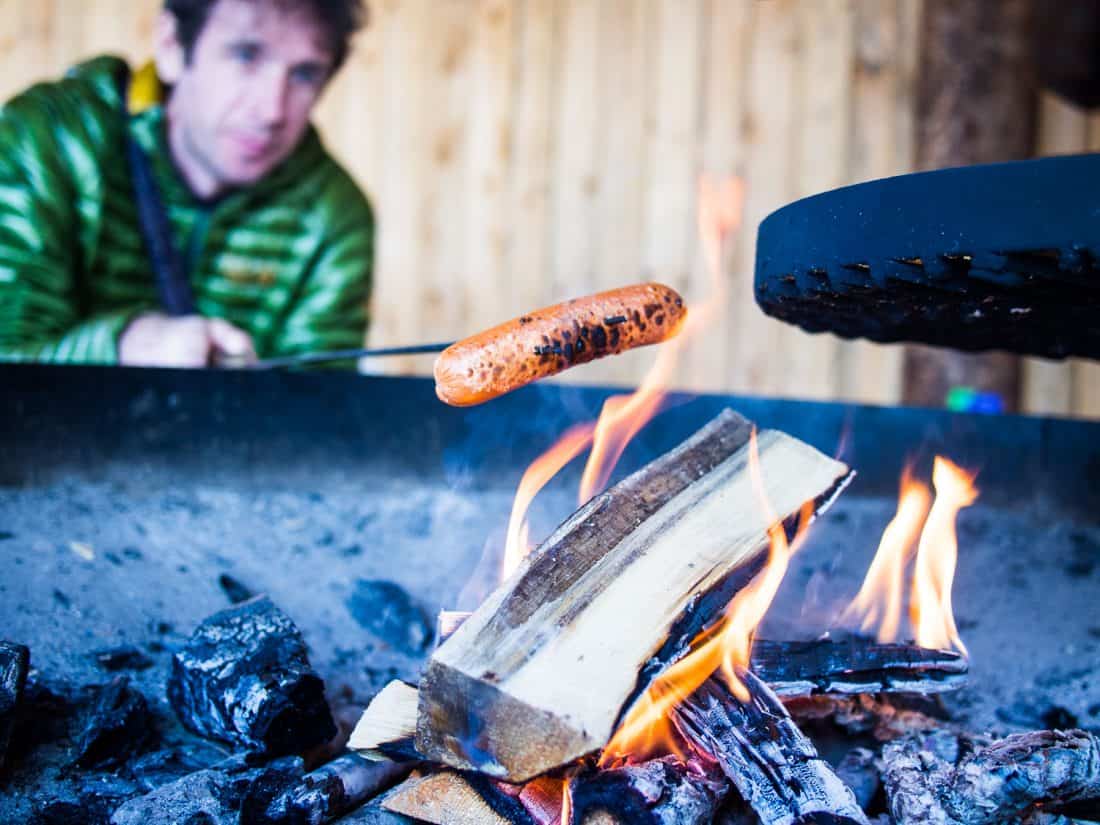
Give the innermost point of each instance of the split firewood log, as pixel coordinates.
(541, 673)
(773, 765)
(1001, 782)
(388, 725)
(452, 798)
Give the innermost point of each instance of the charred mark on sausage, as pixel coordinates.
(612, 320)
(659, 318)
(650, 309)
(599, 337)
(614, 337)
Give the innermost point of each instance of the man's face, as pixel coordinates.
(243, 100)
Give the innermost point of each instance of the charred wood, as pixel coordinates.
(662, 791)
(118, 725)
(509, 693)
(14, 664)
(885, 717)
(1005, 780)
(324, 794)
(244, 677)
(769, 760)
(855, 666)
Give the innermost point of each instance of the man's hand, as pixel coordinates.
(155, 340)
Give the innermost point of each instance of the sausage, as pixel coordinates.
(545, 342)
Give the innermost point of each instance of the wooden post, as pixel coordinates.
(976, 103)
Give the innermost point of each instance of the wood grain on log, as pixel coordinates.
(388, 725)
(452, 798)
(538, 676)
(768, 759)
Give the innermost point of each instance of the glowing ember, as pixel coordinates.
(646, 730)
(934, 571)
(542, 469)
(879, 601)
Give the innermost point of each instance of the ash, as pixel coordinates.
(138, 558)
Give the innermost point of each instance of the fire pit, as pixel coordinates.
(138, 504)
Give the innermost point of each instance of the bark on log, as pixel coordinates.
(768, 759)
(511, 693)
(1001, 782)
(662, 791)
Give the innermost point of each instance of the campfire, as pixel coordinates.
(642, 662)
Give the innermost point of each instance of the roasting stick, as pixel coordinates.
(345, 354)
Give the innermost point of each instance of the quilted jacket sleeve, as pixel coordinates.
(39, 228)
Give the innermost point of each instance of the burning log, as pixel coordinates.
(387, 727)
(662, 791)
(452, 798)
(14, 662)
(764, 754)
(510, 693)
(1003, 781)
(244, 677)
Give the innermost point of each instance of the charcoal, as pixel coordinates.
(118, 725)
(87, 799)
(387, 612)
(161, 767)
(123, 658)
(14, 664)
(244, 678)
(662, 791)
(326, 793)
(209, 797)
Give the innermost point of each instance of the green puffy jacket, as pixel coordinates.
(288, 259)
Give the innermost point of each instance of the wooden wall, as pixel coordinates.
(520, 152)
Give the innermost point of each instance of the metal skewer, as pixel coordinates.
(345, 354)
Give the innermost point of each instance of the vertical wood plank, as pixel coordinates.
(826, 33)
(533, 73)
(880, 145)
(481, 211)
(771, 105)
(728, 28)
(577, 139)
(1046, 385)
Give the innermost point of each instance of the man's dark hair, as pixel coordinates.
(340, 18)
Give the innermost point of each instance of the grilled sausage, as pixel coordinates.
(545, 342)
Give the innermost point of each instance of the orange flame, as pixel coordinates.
(726, 646)
(879, 601)
(542, 469)
(930, 603)
(566, 804)
(624, 415)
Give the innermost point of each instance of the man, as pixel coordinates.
(271, 239)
